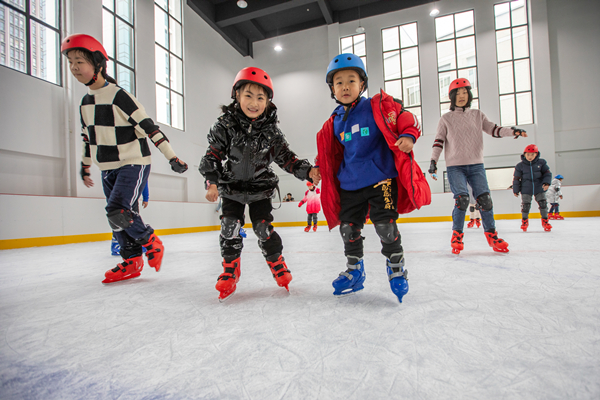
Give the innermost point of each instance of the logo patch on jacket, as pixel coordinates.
(392, 118)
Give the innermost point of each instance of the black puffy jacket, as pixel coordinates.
(241, 151)
(530, 176)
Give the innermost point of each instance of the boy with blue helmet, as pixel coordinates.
(367, 167)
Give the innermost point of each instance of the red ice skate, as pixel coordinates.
(307, 229)
(558, 216)
(227, 281)
(496, 243)
(471, 223)
(154, 251)
(478, 222)
(524, 224)
(130, 268)
(550, 215)
(314, 228)
(546, 225)
(456, 242)
(280, 271)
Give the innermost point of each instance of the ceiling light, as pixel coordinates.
(277, 47)
(434, 12)
(242, 4)
(360, 29)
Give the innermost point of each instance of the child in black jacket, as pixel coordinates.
(243, 143)
(532, 178)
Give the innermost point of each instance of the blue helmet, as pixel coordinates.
(559, 177)
(346, 61)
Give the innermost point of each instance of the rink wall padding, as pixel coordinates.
(31, 221)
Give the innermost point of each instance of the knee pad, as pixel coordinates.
(263, 230)
(462, 202)
(525, 207)
(120, 219)
(472, 208)
(350, 232)
(485, 201)
(387, 232)
(543, 204)
(230, 227)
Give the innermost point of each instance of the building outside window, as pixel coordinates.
(401, 71)
(118, 38)
(514, 66)
(456, 54)
(30, 37)
(168, 37)
(356, 44)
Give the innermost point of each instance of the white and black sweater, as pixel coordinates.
(114, 129)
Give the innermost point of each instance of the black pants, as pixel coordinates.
(260, 212)
(382, 199)
(312, 217)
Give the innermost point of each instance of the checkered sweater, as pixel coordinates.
(114, 129)
(459, 132)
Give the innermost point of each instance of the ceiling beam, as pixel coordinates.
(376, 8)
(229, 14)
(326, 11)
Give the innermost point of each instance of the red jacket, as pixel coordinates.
(392, 120)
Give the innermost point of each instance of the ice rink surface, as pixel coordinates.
(480, 325)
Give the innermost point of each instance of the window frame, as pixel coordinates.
(116, 62)
(363, 58)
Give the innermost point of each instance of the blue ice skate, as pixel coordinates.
(398, 278)
(115, 249)
(243, 233)
(351, 280)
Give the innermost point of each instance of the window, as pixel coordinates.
(514, 66)
(33, 31)
(356, 44)
(456, 55)
(401, 71)
(118, 40)
(169, 62)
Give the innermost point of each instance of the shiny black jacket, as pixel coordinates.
(241, 151)
(530, 176)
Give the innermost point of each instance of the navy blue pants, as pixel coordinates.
(123, 188)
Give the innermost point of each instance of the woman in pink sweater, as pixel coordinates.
(459, 133)
(312, 198)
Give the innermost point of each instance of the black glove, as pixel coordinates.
(433, 167)
(176, 166)
(517, 132)
(83, 172)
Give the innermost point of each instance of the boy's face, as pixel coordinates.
(462, 97)
(347, 86)
(530, 156)
(252, 99)
(80, 67)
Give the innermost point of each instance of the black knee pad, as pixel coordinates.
(543, 204)
(485, 201)
(120, 219)
(387, 232)
(525, 207)
(230, 227)
(350, 232)
(462, 202)
(263, 230)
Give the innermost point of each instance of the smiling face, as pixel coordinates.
(253, 100)
(462, 97)
(347, 86)
(530, 156)
(81, 68)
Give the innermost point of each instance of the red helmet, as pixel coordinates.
(253, 75)
(458, 83)
(81, 41)
(532, 148)
(309, 184)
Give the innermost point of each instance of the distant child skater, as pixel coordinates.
(365, 160)
(553, 195)
(312, 198)
(115, 127)
(460, 132)
(243, 143)
(532, 178)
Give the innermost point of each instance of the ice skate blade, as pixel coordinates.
(500, 250)
(347, 292)
(454, 251)
(105, 281)
(223, 297)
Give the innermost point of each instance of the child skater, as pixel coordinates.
(366, 160)
(243, 143)
(115, 126)
(115, 248)
(553, 195)
(532, 178)
(312, 198)
(460, 132)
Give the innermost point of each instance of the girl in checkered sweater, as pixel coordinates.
(115, 126)
(459, 134)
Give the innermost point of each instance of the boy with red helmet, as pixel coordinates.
(243, 143)
(115, 127)
(532, 178)
(312, 198)
(366, 161)
(459, 134)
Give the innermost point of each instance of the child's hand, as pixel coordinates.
(315, 175)
(213, 193)
(144, 204)
(560, 197)
(88, 182)
(177, 165)
(405, 144)
(516, 194)
(519, 132)
(545, 186)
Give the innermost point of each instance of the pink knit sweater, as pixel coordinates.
(459, 132)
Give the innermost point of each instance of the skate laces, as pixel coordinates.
(229, 271)
(278, 268)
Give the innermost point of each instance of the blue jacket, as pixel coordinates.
(530, 176)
